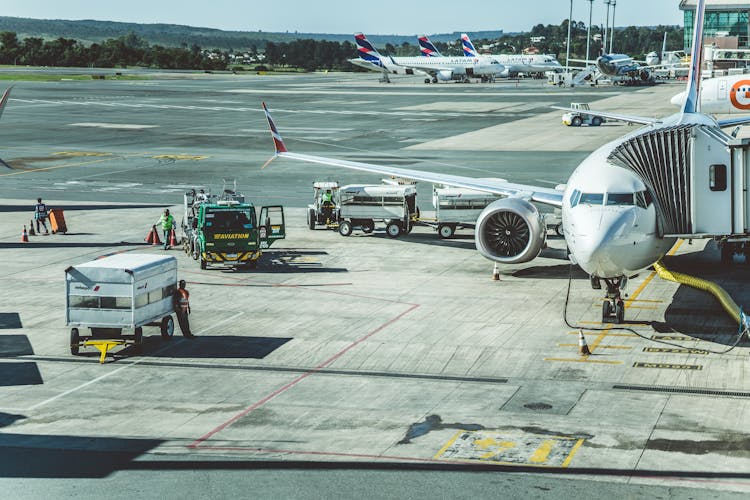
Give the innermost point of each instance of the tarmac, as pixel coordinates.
(363, 365)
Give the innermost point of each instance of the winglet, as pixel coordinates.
(278, 142)
(4, 99)
(692, 95)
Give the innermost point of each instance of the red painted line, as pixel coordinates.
(297, 380)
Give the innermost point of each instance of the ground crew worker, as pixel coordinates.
(167, 223)
(40, 215)
(327, 205)
(181, 304)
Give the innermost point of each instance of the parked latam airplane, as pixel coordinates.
(515, 63)
(4, 99)
(439, 68)
(615, 206)
(427, 48)
(722, 95)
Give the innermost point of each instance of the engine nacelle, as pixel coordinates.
(445, 75)
(510, 231)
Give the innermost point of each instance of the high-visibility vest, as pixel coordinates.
(40, 211)
(166, 222)
(182, 299)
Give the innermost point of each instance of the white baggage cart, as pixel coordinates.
(458, 208)
(364, 205)
(116, 293)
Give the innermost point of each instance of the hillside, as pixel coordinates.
(175, 35)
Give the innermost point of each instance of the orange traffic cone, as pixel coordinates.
(24, 235)
(172, 239)
(583, 347)
(31, 228)
(156, 239)
(149, 237)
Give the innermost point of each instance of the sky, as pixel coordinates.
(347, 16)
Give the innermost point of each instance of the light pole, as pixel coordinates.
(567, 55)
(588, 34)
(612, 35)
(606, 27)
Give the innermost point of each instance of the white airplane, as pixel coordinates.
(515, 63)
(722, 95)
(617, 212)
(439, 68)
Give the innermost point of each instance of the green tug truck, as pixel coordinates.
(223, 230)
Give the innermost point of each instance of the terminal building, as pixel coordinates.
(726, 24)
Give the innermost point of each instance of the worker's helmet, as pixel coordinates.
(166, 211)
(38, 200)
(328, 191)
(182, 284)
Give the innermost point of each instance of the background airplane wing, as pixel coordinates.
(547, 196)
(613, 116)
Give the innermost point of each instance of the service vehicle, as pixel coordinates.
(457, 208)
(224, 229)
(321, 212)
(362, 205)
(120, 292)
(579, 117)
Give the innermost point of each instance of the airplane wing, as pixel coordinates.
(546, 196)
(612, 116)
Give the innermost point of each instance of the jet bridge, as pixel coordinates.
(698, 178)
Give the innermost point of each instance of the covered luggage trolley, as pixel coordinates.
(117, 293)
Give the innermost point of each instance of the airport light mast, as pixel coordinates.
(606, 27)
(588, 34)
(612, 35)
(567, 55)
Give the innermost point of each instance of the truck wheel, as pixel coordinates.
(345, 228)
(75, 338)
(393, 229)
(368, 226)
(596, 121)
(167, 327)
(446, 231)
(311, 218)
(576, 122)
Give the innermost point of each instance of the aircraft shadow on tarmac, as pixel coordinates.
(30, 207)
(292, 261)
(214, 346)
(696, 313)
(44, 456)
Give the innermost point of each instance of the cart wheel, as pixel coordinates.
(393, 229)
(368, 226)
(445, 231)
(167, 327)
(345, 228)
(75, 338)
(311, 218)
(577, 121)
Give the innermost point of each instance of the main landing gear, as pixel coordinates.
(613, 307)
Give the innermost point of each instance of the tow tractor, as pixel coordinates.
(322, 212)
(579, 117)
(224, 230)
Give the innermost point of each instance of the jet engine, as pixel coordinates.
(445, 75)
(510, 231)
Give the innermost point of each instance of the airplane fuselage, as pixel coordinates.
(519, 63)
(723, 95)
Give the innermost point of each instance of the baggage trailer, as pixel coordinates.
(117, 293)
(457, 208)
(365, 204)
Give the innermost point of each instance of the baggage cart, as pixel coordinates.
(361, 206)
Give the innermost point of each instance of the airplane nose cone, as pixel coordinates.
(679, 99)
(602, 248)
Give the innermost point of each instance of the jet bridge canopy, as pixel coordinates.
(697, 176)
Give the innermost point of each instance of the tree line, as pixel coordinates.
(310, 55)
(129, 50)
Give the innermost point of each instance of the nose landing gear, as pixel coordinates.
(613, 306)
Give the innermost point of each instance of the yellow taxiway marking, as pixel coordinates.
(54, 167)
(81, 153)
(566, 462)
(609, 334)
(584, 359)
(643, 307)
(600, 323)
(542, 453)
(600, 347)
(179, 157)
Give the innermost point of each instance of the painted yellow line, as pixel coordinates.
(81, 153)
(609, 334)
(54, 167)
(584, 360)
(600, 323)
(542, 453)
(644, 307)
(448, 444)
(600, 347)
(567, 461)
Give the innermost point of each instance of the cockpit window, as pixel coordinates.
(620, 198)
(592, 198)
(574, 197)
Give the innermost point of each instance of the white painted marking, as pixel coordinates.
(123, 126)
(106, 375)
